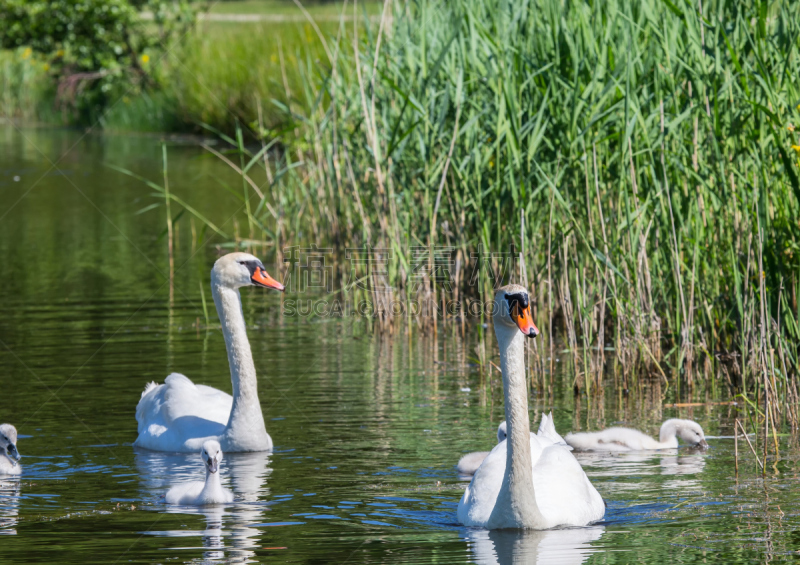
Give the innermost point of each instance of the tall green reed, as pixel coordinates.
(641, 153)
(645, 146)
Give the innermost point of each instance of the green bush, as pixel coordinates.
(95, 49)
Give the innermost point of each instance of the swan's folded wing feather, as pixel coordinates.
(179, 397)
(564, 494)
(480, 497)
(612, 439)
(478, 501)
(547, 430)
(178, 410)
(184, 494)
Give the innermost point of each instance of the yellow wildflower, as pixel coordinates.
(27, 53)
(790, 127)
(797, 149)
(145, 58)
(60, 53)
(46, 67)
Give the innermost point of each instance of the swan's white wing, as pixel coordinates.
(184, 494)
(563, 492)
(547, 430)
(612, 439)
(480, 497)
(477, 503)
(179, 410)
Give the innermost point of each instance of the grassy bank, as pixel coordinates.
(637, 160)
(219, 73)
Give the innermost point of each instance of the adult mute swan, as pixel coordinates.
(8, 451)
(626, 439)
(210, 491)
(525, 482)
(181, 416)
(470, 462)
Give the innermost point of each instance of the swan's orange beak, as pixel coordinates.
(261, 278)
(522, 316)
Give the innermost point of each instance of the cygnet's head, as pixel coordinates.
(688, 431)
(212, 455)
(236, 270)
(8, 443)
(512, 309)
(502, 431)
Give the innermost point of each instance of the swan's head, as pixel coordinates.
(236, 270)
(688, 431)
(502, 431)
(512, 308)
(212, 455)
(8, 442)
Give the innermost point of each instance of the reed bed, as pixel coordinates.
(634, 164)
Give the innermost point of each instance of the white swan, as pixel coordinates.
(626, 439)
(525, 482)
(210, 491)
(8, 451)
(470, 462)
(181, 416)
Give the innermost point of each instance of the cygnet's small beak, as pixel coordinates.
(703, 444)
(12, 451)
(213, 466)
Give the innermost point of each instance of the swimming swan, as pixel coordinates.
(8, 451)
(181, 416)
(626, 439)
(210, 491)
(526, 481)
(470, 462)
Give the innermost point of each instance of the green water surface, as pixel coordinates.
(367, 429)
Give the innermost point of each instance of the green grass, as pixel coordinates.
(221, 74)
(287, 7)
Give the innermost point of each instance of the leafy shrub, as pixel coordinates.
(95, 48)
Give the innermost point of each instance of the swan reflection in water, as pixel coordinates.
(227, 536)
(9, 505)
(685, 465)
(568, 546)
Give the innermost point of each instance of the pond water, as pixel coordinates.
(367, 429)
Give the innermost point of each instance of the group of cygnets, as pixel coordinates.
(611, 439)
(528, 480)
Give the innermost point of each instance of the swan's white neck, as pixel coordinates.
(667, 436)
(245, 430)
(212, 490)
(516, 503)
